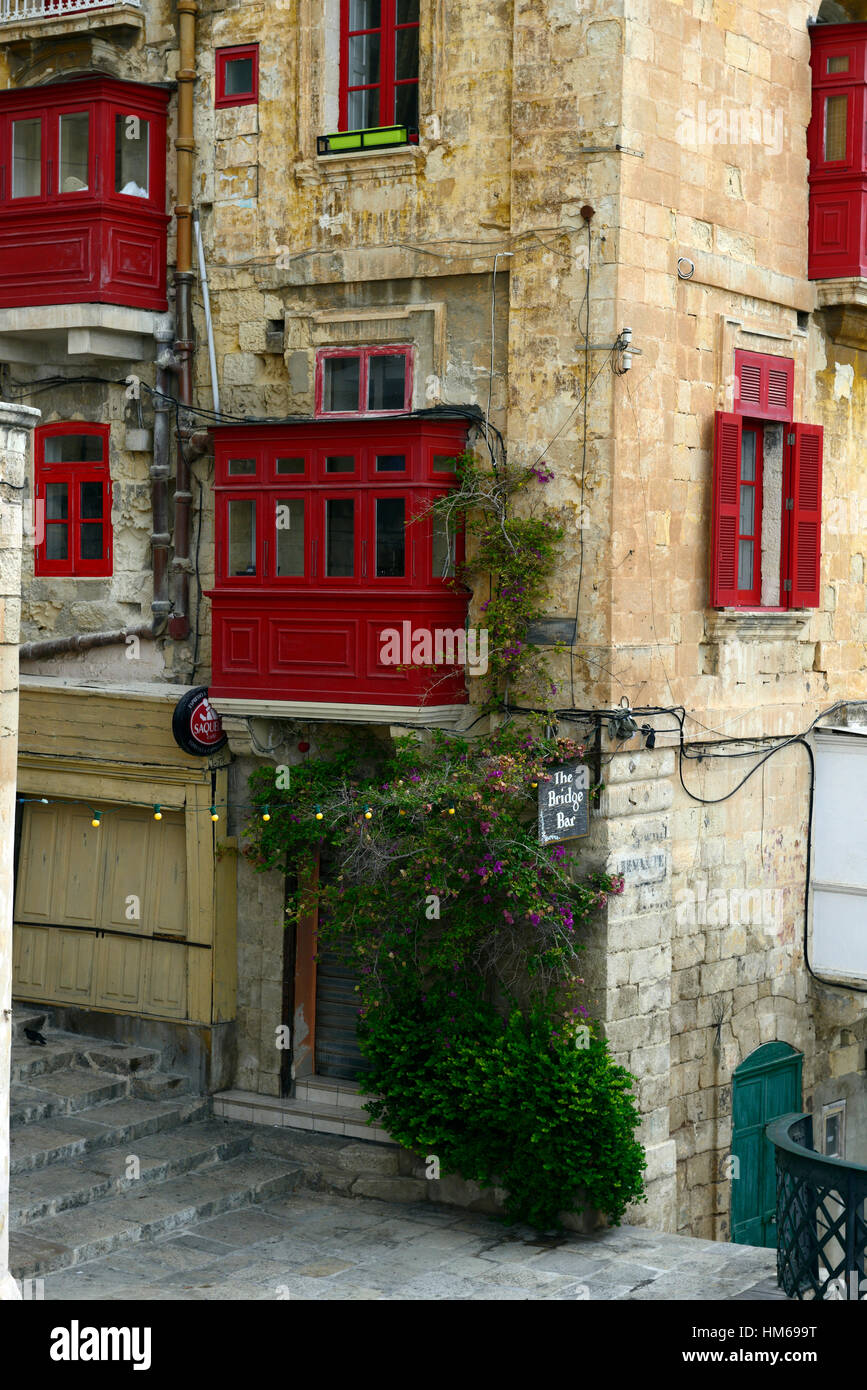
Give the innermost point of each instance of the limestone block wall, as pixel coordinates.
(15, 426)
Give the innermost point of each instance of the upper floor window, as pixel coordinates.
(237, 76)
(837, 150)
(77, 142)
(767, 494)
(379, 63)
(73, 500)
(83, 193)
(363, 381)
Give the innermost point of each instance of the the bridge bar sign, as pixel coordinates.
(564, 803)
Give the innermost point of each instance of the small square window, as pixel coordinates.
(363, 381)
(237, 76)
(840, 63)
(285, 466)
(242, 468)
(391, 463)
(340, 463)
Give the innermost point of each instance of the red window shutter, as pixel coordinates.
(765, 385)
(724, 522)
(805, 550)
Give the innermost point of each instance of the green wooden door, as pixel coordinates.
(766, 1085)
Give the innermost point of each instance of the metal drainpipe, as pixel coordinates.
(179, 624)
(159, 471)
(85, 642)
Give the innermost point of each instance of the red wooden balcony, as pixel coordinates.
(837, 149)
(82, 194)
(324, 543)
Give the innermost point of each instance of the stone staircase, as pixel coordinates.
(108, 1150)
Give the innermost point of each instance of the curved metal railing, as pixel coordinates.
(821, 1216)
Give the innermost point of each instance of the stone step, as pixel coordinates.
(119, 1222)
(68, 1137)
(323, 1090)
(62, 1093)
(63, 1051)
(29, 1016)
(45, 1191)
(249, 1108)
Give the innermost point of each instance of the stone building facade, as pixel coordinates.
(577, 173)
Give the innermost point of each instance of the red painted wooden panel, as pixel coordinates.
(95, 245)
(806, 534)
(724, 521)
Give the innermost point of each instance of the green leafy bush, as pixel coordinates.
(506, 1101)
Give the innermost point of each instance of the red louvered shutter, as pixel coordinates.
(724, 521)
(765, 385)
(805, 549)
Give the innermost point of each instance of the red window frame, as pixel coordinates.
(801, 525)
(102, 101)
(72, 474)
(388, 83)
(364, 354)
(224, 56)
(419, 483)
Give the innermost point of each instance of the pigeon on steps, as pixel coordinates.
(33, 1036)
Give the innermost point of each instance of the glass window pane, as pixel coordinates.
(363, 110)
(390, 537)
(406, 54)
(443, 463)
(364, 14)
(387, 384)
(443, 549)
(342, 383)
(242, 468)
(26, 159)
(748, 509)
(74, 147)
(242, 536)
(56, 543)
(835, 127)
(73, 448)
(239, 77)
(745, 564)
(289, 521)
(91, 540)
(391, 463)
(406, 105)
(748, 456)
(290, 465)
(339, 537)
(56, 502)
(407, 11)
(343, 463)
(131, 156)
(363, 60)
(91, 499)
(838, 64)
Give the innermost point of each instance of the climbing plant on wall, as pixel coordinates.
(465, 934)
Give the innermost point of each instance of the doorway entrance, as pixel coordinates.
(767, 1084)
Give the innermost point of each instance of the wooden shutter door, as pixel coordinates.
(805, 550)
(724, 520)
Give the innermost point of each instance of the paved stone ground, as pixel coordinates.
(319, 1246)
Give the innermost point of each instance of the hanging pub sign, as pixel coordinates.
(564, 803)
(197, 727)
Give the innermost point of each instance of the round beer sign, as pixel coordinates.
(197, 727)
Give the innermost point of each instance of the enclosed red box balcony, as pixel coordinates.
(330, 567)
(83, 194)
(837, 149)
